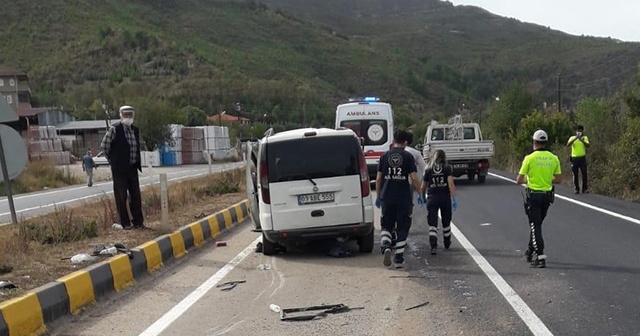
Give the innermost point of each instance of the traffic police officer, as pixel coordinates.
(395, 197)
(539, 171)
(441, 196)
(579, 144)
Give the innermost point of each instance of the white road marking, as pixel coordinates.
(172, 315)
(280, 276)
(485, 224)
(527, 315)
(144, 176)
(586, 205)
(228, 329)
(103, 193)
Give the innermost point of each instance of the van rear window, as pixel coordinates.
(320, 157)
(374, 132)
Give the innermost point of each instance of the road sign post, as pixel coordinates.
(7, 184)
(13, 142)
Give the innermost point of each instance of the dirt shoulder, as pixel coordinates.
(34, 251)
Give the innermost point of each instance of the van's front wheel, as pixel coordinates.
(365, 243)
(268, 247)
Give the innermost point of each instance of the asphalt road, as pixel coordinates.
(32, 204)
(481, 286)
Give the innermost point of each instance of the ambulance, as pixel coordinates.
(372, 121)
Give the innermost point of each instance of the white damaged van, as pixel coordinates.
(309, 184)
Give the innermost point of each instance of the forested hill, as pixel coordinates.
(294, 60)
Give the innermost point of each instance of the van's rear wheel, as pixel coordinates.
(365, 244)
(268, 247)
(482, 179)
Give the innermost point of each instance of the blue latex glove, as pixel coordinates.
(378, 202)
(454, 203)
(421, 200)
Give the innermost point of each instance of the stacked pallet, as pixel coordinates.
(217, 141)
(192, 145)
(44, 144)
(172, 156)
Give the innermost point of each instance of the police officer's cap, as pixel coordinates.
(540, 136)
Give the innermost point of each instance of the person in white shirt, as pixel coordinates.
(421, 165)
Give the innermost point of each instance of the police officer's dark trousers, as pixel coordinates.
(579, 164)
(396, 216)
(441, 203)
(537, 206)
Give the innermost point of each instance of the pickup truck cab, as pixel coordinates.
(467, 152)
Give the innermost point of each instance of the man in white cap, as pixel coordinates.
(540, 171)
(121, 146)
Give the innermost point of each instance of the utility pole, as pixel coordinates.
(559, 92)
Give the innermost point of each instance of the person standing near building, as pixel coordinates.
(87, 166)
(441, 197)
(121, 146)
(579, 144)
(540, 170)
(394, 197)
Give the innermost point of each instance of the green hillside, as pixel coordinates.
(294, 60)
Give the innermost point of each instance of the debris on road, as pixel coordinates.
(285, 314)
(81, 258)
(264, 267)
(221, 243)
(201, 215)
(339, 251)
(4, 269)
(7, 285)
(275, 308)
(418, 306)
(117, 226)
(227, 286)
(100, 250)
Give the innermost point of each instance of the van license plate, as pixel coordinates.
(316, 198)
(462, 165)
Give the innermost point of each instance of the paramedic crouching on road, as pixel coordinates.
(540, 170)
(395, 197)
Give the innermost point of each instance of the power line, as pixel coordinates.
(606, 62)
(582, 85)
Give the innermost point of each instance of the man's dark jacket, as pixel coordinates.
(119, 157)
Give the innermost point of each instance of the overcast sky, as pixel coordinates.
(615, 18)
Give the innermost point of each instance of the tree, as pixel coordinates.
(514, 103)
(556, 125)
(153, 117)
(195, 116)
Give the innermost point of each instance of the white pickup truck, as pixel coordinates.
(467, 152)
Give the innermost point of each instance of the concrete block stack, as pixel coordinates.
(217, 141)
(44, 144)
(192, 145)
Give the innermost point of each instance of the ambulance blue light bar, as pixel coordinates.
(364, 99)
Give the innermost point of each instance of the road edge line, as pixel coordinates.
(526, 314)
(586, 205)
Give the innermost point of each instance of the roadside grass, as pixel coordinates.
(32, 253)
(38, 175)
